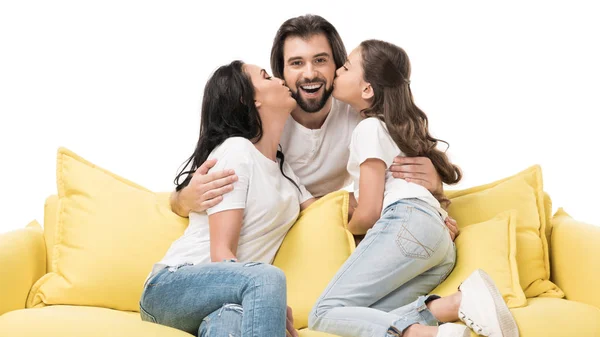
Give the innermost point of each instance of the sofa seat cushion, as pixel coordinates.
(553, 317)
(77, 321)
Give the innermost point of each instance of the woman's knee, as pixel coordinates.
(267, 275)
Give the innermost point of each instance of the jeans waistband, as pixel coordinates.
(420, 204)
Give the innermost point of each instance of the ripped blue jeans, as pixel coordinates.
(223, 299)
(382, 288)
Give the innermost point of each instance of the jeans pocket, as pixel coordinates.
(419, 235)
(146, 316)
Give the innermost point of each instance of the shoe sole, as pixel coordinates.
(508, 326)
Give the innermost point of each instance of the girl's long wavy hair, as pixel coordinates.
(387, 68)
(228, 110)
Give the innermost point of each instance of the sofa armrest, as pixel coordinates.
(22, 263)
(575, 258)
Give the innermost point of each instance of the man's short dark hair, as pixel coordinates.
(306, 26)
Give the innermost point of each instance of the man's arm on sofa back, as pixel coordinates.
(575, 258)
(22, 263)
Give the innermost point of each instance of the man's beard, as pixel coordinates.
(312, 105)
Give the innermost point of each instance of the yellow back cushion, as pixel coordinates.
(492, 246)
(524, 193)
(312, 252)
(108, 234)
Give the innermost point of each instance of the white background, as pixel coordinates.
(507, 84)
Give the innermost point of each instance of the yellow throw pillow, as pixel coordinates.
(312, 252)
(524, 193)
(492, 246)
(108, 234)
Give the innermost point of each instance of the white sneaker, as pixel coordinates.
(453, 330)
(483, 309)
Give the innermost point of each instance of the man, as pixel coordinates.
(306, 52)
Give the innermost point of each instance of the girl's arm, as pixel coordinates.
(371, 188)
(225, 230)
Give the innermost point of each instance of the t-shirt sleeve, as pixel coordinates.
(303, 193)
(370, 140)
(233, 157)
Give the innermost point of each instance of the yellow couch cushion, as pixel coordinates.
(575, 255)
(109, 232)
(524, 193)
(313, 251)
(22, 263)
(553, 317)
(490, 245)
(72, 321)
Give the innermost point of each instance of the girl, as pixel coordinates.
(216, 280)
(407, 250)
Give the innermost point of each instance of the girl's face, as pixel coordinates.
(270, 93)
(349, 85)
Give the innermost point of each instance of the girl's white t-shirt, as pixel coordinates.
(371, 139)
(271, 205)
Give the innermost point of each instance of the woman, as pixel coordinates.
(407, 250)
(216, 279)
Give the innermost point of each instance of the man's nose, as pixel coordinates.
(309, 71)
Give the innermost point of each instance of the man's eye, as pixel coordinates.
(297, 63)
(321, 60)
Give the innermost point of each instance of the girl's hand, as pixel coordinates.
(452, 227)
(290, 331)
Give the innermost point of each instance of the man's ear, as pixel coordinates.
(367, 92)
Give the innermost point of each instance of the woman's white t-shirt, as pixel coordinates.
(271, 205)
(371, 139)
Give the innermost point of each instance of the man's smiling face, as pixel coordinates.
(308, 70)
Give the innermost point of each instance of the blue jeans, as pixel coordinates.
(218, 299)
(381, 289)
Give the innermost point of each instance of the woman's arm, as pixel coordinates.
(225, 230)
(371, 187)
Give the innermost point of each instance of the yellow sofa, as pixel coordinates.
(27, 309)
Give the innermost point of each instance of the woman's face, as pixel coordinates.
(270, 93)
(349, 83)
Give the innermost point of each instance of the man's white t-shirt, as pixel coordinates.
(371, 139)
(319, 156)
(270, 201)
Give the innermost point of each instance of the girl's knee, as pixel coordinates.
(266, 274)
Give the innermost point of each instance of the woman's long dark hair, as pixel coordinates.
(387, 68)
(228, 110)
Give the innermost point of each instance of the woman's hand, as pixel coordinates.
(290, 331)
(205, 190)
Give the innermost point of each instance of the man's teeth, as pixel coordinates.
(311, 87)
